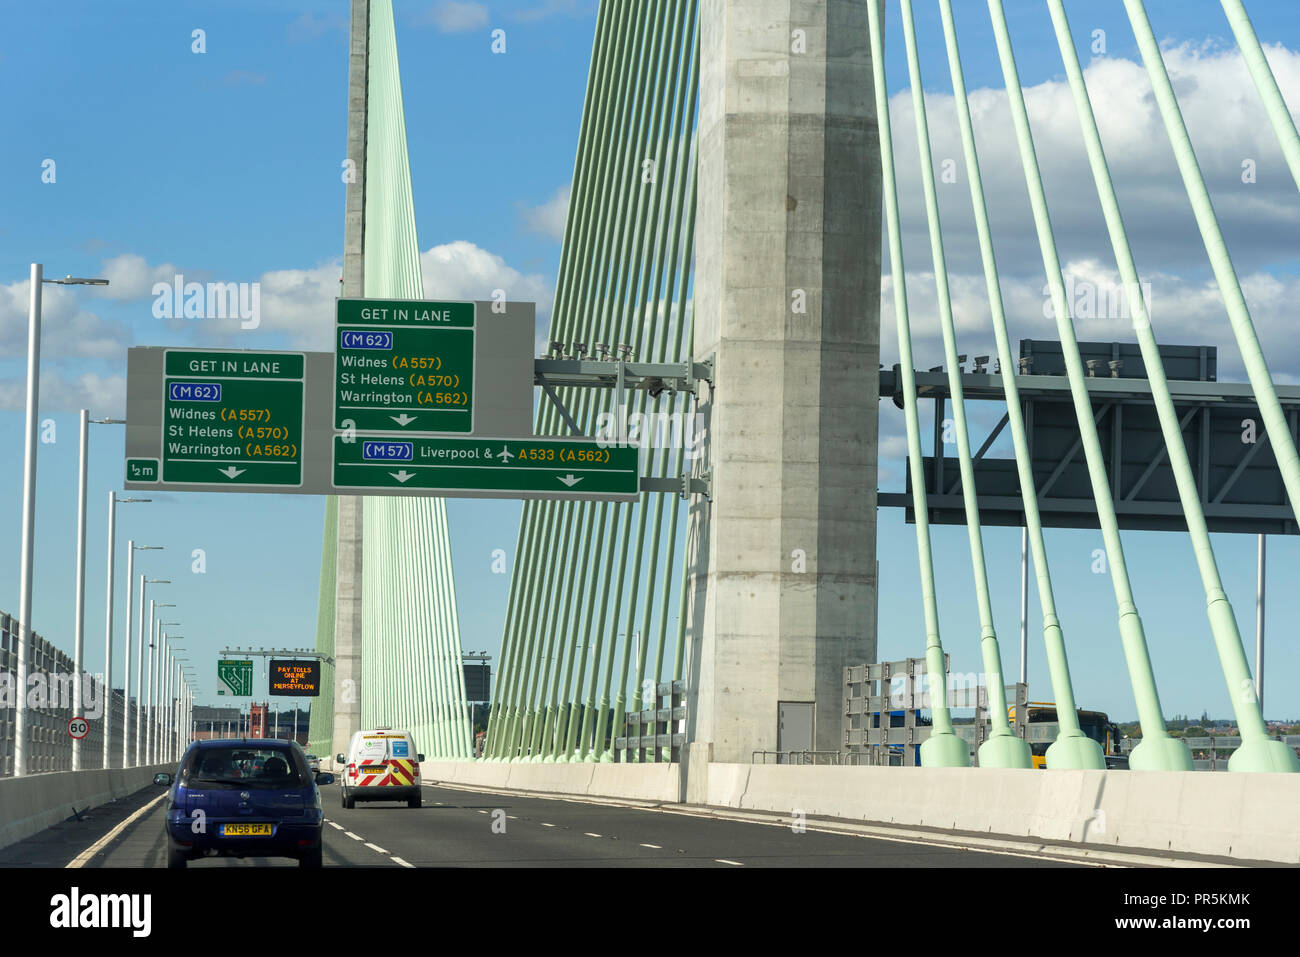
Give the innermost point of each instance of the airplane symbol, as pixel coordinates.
(504, 455)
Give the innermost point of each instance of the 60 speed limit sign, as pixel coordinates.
(78, 728)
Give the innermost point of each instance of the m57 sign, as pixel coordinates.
(578, 468)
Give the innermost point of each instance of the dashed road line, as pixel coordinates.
(589, 834)
(657, 847)
(376, 847)
(337, 827)
(723, 860)
(398, 860)
(547, 825)
(355, 837)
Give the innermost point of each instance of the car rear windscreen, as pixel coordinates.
(244, 766)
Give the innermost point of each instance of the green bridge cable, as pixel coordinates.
(1157, 751)
(1257, 752)
(582, 200)
(1003, 749)
(528, 531)
(1278, 114)
(1072, 748)
(942, 748)
(1243, 329)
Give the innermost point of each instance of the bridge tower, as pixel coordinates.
(787, 301)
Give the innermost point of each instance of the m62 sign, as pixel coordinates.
(404, 366)
(230, 417)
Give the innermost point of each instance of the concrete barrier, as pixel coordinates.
(1246, 816)
(655, 783)
(33, 802)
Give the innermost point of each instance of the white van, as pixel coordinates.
(381, 765)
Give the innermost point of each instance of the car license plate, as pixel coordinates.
(373, 768)
(246, 830)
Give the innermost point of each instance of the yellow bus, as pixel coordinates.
(1042, 729)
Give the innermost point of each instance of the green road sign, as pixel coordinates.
(404, 366)
(236, 676)
(142, 470)
(562, 467)
(233, 417)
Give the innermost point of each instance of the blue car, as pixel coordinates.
(243, 798)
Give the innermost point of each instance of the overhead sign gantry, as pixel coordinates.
(418, 398)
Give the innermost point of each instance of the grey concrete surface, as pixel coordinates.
(783, 569)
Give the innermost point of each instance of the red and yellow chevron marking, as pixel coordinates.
(401, 771)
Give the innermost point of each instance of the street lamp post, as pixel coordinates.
(165, 665)
(131, 549)
(173, 705)
(169, 715)
(155, 628)
(27, 551)
(79, 621)
(139, 664)
(113, 502)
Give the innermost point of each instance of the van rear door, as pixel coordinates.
(371, 760)
(403, 763)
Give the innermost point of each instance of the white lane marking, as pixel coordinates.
(657, 847)
(548, 825)
(512, 817)
(84, 857)
(721, 860)
(480, 811)
(355, 837)
(589, 834)
(398, 860)
(337, 827)
(376, 847)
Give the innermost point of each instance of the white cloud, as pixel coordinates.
(131, 277)
(462, 270)
(60, 392)
(66, 328)
(1227, 123)
(548, 218)
(1184, 310)
(453, 16)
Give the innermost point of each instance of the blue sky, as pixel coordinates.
(225, 165)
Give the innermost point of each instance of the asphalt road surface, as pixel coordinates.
(457, 828)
